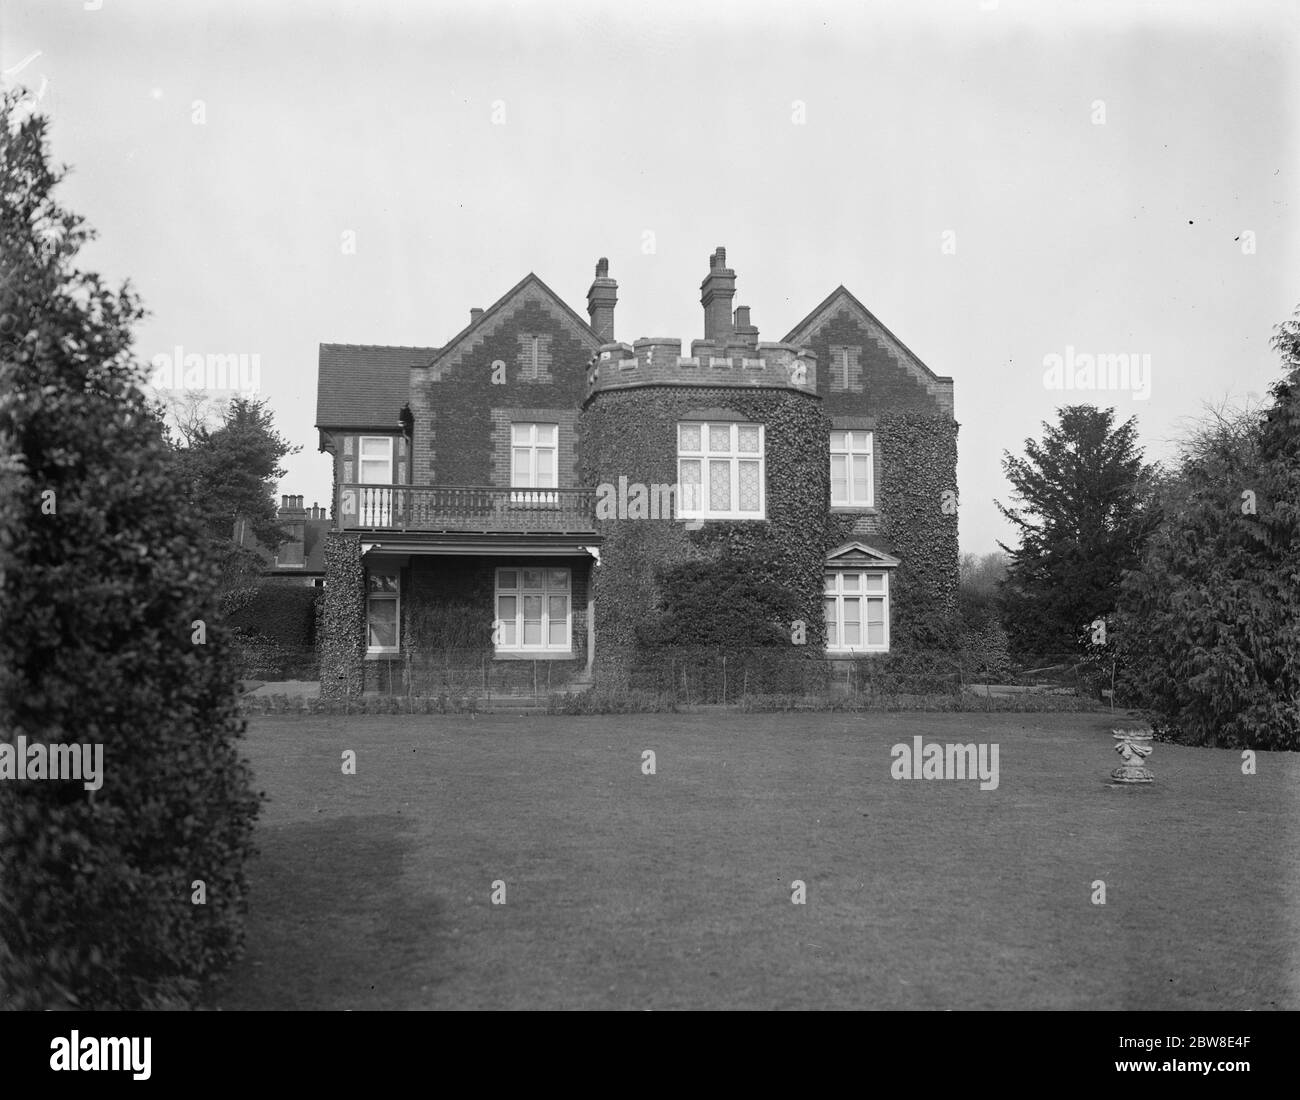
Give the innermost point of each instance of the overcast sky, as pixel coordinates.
(997, 181)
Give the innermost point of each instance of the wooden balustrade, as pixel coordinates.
(465, 508)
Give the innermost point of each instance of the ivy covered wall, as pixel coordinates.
(632, 434)
(341, 631)
(917, 466)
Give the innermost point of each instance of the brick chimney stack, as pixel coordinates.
(292, 516)
(601, 299)
(716, 293)
(474, 315)
(746, 333)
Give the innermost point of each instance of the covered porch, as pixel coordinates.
(490, 617)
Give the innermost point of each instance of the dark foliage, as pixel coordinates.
(105, 592)
(1083, 514)
(1208, 635)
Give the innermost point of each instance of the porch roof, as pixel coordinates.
(470, 544)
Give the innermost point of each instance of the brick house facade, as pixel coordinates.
(511, 494)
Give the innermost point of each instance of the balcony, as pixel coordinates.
(466, 508)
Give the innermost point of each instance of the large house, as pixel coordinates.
(514, 493)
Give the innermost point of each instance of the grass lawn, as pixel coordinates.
(629, 891)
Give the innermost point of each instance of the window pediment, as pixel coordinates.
(858, 555)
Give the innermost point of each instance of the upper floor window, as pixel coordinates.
(533, 458)
(720, 471)
(857, 611)
(382, 604)
(852, 472)
(376, 460)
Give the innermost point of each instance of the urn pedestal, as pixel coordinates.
(1133, 746)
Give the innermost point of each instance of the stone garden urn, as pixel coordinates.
(1133, 746)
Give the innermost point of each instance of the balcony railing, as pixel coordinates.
(466, 508)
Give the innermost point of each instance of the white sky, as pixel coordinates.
(971, 116)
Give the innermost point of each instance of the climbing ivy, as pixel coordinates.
(341, 631)
(917, 456)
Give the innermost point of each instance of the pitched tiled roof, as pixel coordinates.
(364, 385)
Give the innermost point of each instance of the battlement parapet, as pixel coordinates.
(659, 361)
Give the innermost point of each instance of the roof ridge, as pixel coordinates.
(386, 347)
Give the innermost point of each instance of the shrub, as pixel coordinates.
(283, 614)
(104, 569)
(721, 626)
(925, 672)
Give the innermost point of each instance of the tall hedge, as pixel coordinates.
(1208, 634)
(277, 631)
(130, 895)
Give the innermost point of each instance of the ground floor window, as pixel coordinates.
(382, 600)
(534, 612)
(857, 611)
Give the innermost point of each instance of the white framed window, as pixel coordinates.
(534, 610)
(383, 608)
(857, 611)
(376, 460)
(852, 470)
(533, 456)
(375, 467)
(721, 471)
(534, 462)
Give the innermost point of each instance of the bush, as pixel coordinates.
(104, 570)
(274, 632)
(284, 614)
(924, 672)
(260, 658)
(723, 628)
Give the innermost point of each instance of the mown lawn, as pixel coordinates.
(629, 891)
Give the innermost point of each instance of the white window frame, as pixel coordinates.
(532, 493)
(546, 592)
(706, 455)
(363, 458)
(395, 598)
(849, 451)
(862, 595)
(376, 504)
